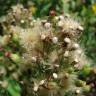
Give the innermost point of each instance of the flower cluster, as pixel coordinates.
(48, 52)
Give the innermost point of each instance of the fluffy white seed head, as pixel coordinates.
(80, 28)
(76, 60)
(57, 65)
(34, 59)
(61, 17)
(47, 25)
(55, 40)
(77, 91)
(67, 40)
(42, 82)
(75, 46)
(55, 76)
(22, 21)
(43, 36)
(66, 54)
(79, 51)
(31, 24)
(56, 18)
(35, 87)
(60, 24)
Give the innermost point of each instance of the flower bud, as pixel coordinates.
(52, 13)
(15, 37)
(15, 57)
(80, 83)
(86, 88)
(7, 54)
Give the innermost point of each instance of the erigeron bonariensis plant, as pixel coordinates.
(44, 54)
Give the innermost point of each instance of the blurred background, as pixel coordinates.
(82, 10)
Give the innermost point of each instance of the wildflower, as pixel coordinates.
(7, 54)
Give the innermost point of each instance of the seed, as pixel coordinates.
(55, 40)
(76, 60)
(42, 82)
(66, 54)
(67, 40)
(22, 21)
(60, 24)
(35, 88)
(77, 91)
(43, 37)
(34, 59)
(61, 17)
(55, 75)
(47, 25)
(75, 46)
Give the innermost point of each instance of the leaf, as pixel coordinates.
(14, 88)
